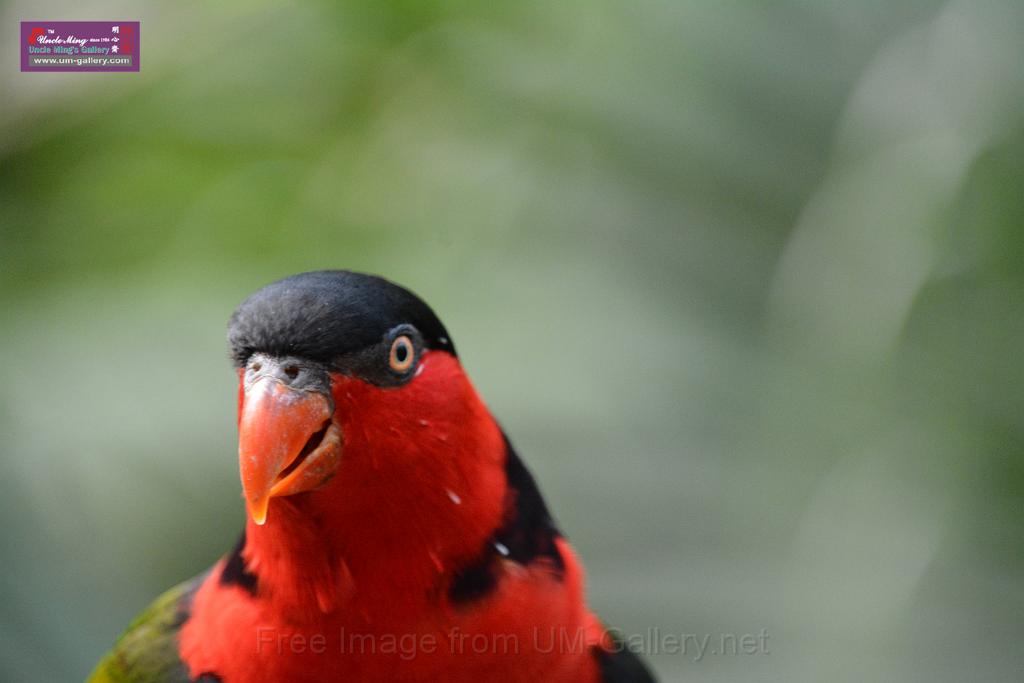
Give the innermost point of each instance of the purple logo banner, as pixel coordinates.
(79, 46)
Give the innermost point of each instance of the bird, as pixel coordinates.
(392, 531)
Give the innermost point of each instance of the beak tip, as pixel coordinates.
(258, 512)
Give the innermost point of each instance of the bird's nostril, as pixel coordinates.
(292, 371)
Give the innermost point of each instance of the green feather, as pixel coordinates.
(147, 652)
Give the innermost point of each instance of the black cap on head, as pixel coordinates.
(328, 313)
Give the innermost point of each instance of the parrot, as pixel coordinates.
(392, 532)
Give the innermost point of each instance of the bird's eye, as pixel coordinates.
(402, 354)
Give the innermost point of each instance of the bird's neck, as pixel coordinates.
(290, 567)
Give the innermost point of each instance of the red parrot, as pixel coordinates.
(393, 533)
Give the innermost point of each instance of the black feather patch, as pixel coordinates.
(474, 581)
(326, 314)
(529, 532)
(621, 665)
(235, 573)
(527, 535)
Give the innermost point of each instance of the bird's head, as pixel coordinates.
(346, 380)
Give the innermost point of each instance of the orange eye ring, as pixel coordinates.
(402, 354)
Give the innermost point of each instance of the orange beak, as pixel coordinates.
(287, 443)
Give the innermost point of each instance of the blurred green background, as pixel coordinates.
(744, 281)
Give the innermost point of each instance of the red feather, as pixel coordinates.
(353, 577)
